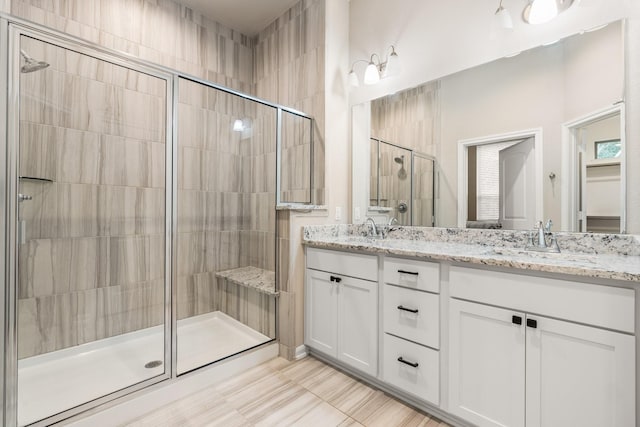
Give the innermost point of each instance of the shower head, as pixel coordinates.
(399, 160)
(31, 64)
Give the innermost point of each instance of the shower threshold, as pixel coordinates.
(54, 382)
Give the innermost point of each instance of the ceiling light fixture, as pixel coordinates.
(503, 17)
(376, 69)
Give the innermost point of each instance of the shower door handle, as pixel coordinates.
(23, 197)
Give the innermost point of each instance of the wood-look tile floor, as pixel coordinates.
(305, 393)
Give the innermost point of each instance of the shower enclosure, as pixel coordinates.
(402, 184)
(139, 211)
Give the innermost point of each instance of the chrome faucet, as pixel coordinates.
(392, 220)
(374, 229)
(543, 232)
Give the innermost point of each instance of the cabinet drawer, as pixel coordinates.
(349, 264)
(421, 380)
(401, 318)
(412, 274)
(597, 305)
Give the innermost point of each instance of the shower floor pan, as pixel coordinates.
(60, 380)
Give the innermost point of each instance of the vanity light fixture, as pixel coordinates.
(503, 17)
(376, 69)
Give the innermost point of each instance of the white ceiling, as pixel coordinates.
(247, 16)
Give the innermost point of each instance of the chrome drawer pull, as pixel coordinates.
(413, 273)
(412, 364)
(410, 310)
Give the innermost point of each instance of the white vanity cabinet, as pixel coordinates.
(411, 322)
(552, 353)
(341, 307)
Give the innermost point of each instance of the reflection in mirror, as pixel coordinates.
(540, 91)
(423, 192)
(598, 153)
(401, 184)
(497, 179)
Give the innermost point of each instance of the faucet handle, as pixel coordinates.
(547, 227)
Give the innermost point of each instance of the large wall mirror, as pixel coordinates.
(535, 136)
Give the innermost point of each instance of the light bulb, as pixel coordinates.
(542, 11)
(504, 18)
(238, 126)
(371, 74)
(393, 65)
(353, 79)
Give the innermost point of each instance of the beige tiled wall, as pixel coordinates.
(159, 31)
(409, 119)
(289, 70)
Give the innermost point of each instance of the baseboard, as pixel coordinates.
(301, 351)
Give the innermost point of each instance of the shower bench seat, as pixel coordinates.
(261, 280)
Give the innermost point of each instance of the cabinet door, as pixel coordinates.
(358, 324)
(579, 375)
(321, 312)
(487, 364)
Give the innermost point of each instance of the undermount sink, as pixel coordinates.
(565, 256)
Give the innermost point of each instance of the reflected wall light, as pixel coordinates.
(376, 69)
(503, 17)
(543, 11)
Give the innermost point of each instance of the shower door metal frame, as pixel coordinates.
(12, 29)
(423, 156)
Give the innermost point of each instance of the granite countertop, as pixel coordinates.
(605, 256)
(263, 281)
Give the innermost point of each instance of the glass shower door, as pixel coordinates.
(226, 230)
(91, 278)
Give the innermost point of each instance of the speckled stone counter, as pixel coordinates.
(251, 277)
(605, 256)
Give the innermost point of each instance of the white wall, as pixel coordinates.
(337, 117)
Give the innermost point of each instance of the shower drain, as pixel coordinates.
(153, 364)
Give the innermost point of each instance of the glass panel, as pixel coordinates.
(226, 224)
(423, 184)
(295, 179)
(395, 181)
(608, 149)
(91, 263)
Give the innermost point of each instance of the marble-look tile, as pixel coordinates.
(249, 306)
(47, 324)
(38, 145)
(41, 212)
(78, 157)
(45, 268)
(272, 394)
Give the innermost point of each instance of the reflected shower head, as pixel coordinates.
(31, 64)
(399, 160)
